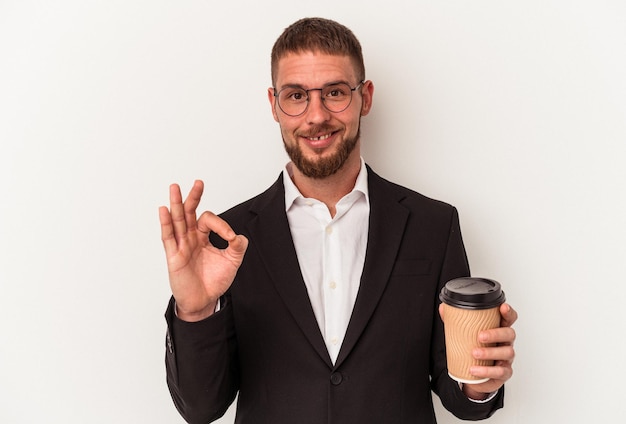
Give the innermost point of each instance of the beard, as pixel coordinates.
(322, 167)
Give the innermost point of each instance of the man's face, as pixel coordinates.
(318, 141)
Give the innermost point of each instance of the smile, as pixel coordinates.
(323, 137)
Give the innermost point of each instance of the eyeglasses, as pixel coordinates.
(294, 100)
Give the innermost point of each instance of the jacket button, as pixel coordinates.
(336, 378)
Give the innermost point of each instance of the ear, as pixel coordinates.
(272, 99)
(367, 91)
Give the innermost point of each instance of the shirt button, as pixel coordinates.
(332, 285)
(336, 378)
(334, 341)
(329, 230)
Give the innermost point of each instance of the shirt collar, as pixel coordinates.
(292, 193)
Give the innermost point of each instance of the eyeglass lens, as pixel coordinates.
(335, 97)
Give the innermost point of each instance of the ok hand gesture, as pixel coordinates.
(199, 273)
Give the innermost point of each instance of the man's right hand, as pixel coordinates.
(199, 273)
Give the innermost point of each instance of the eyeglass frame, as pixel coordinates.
(308, 96)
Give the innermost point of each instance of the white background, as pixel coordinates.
(513, 111)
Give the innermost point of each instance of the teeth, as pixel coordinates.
(324, 137)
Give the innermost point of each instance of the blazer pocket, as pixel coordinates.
(411, 267)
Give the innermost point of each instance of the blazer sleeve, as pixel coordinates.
(201, 364)
(455, 265)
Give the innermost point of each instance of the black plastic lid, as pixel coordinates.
(472, 293)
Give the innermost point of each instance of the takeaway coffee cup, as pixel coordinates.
(470, 306)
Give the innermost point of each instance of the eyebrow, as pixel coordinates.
(325, 85)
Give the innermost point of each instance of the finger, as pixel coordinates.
(501, 371)
(208, 222)
(177, 212)
(502, 335)
(167, 231)
(508, 314)
(191, 204)
(498, 353)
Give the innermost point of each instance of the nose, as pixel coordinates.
(316, 111)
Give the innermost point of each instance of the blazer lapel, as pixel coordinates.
(274, 244)
(386, 228)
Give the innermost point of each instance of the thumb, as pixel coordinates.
(237, 246)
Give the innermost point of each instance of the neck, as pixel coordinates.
(331, 189)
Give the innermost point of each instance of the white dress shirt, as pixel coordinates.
(331, 253)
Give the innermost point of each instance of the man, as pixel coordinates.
(317, 301)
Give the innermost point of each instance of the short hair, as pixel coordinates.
(318, 35)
